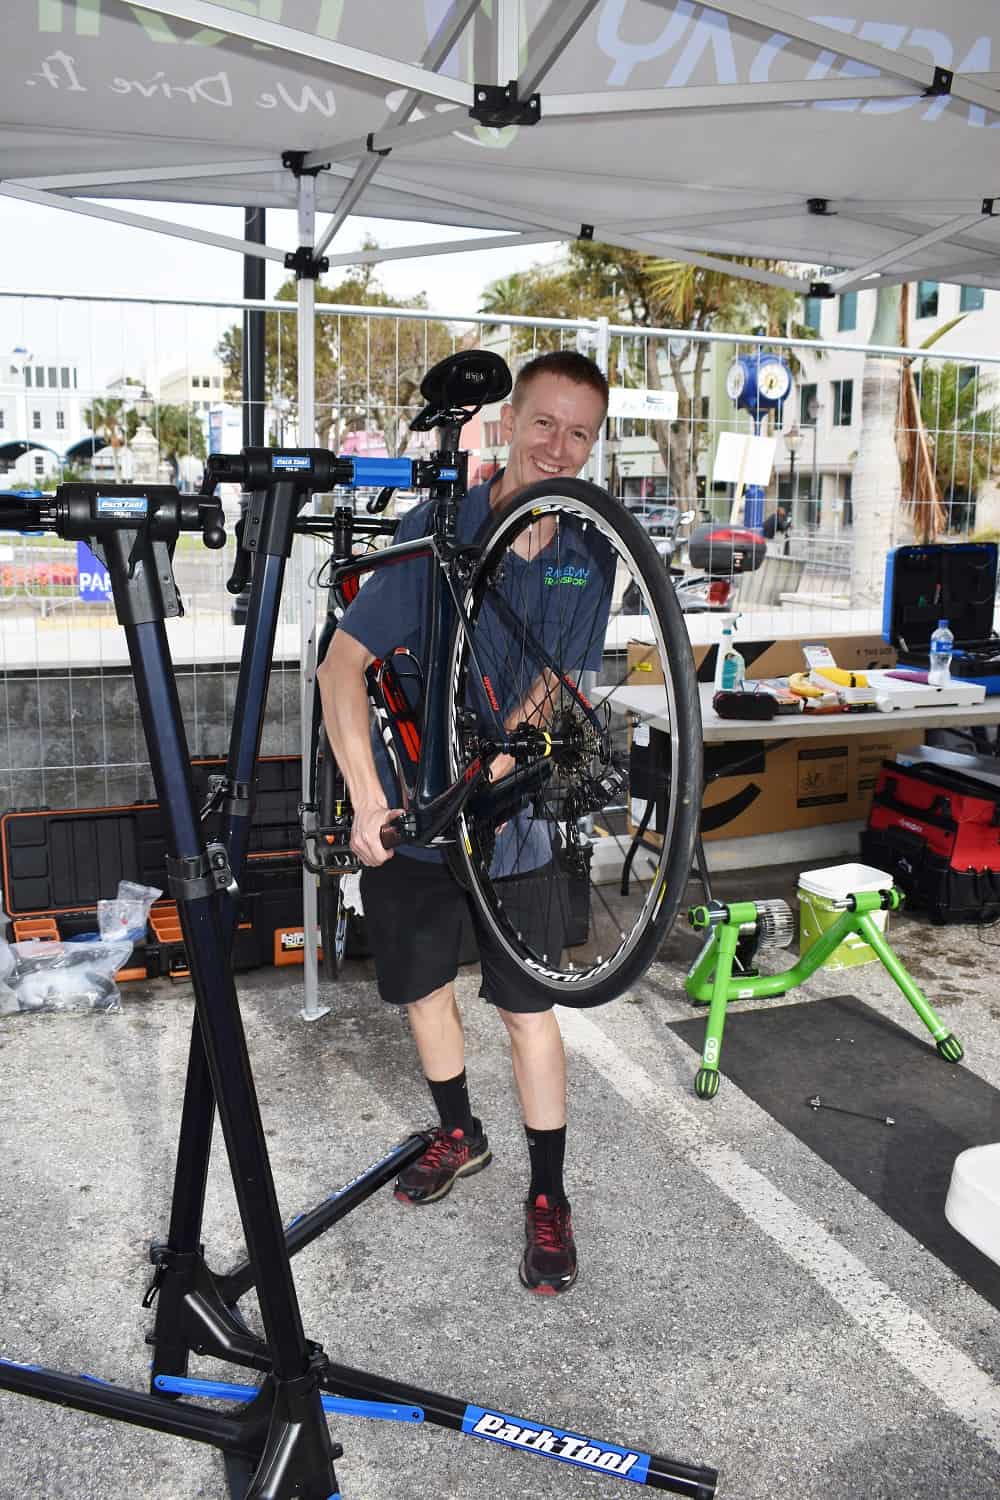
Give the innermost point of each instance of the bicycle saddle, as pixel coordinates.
(457, 386)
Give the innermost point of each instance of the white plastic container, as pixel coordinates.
(973, 1203)
(818, 891)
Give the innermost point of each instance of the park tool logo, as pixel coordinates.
(569, 1447)
(291, 461)
(123, 506)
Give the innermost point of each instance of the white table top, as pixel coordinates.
(650, 704)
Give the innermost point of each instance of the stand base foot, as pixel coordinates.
(706, 1083)
(315, 1015)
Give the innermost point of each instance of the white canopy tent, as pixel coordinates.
(861, 143)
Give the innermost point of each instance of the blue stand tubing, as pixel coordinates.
(224, 1390)
(377, 473)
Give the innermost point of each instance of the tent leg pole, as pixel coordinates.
(312, 1010)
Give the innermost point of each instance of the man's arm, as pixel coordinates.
(341, 681)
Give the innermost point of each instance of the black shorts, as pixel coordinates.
(417, 915)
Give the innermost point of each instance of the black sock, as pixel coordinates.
(451, 1098)
(546, 1150)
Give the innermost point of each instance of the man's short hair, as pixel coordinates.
(566, 363)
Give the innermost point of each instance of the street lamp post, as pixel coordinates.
(793, 442)
(813, 410)
(144, 446)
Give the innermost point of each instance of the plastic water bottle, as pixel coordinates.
(730, 668)
(942, 645)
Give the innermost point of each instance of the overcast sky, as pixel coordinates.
(49, 250)
(45, 249)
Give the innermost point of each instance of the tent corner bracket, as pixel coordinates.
(306, 265)
(292, 161)
(940, 84)
(497, 106)
(819, 206)
(990, 209)
(821, 289)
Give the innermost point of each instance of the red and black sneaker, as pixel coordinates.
(549, 1263)
(450, 1155)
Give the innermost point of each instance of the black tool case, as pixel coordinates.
(58, 863)
(953, 581)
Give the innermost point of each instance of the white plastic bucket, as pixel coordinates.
(818, 892)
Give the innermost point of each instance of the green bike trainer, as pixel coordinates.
(735, 932)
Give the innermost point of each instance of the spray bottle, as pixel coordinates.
(730, 668)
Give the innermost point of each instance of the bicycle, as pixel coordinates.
(537, 618)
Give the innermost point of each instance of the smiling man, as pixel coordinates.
(415, 908)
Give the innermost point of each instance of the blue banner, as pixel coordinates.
(92, 578)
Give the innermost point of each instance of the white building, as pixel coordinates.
(39, 403)
(825, 403)
(200, 389)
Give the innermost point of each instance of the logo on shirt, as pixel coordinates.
(576, 578)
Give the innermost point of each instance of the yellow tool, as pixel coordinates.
(800, 684)
(840, 677)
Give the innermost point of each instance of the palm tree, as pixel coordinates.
(104, 417)
(687, 296)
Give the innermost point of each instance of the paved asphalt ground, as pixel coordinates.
(739, 1303)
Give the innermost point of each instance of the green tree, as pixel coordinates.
(598, 280)
(177, 429)
(105, 417)
(962, 428)
(368, 370)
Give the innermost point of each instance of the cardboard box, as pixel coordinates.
(767, 658)
(804, 783)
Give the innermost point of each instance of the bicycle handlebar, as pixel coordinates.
(393, 834)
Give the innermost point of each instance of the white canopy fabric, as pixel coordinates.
(867, 141)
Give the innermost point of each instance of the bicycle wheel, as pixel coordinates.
(333, 918)
(565, 582)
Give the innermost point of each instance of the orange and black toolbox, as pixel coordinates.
(58, 863)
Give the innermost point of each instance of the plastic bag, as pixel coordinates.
(126, 916)
(51, 976)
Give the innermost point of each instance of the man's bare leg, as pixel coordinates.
(460, 1146)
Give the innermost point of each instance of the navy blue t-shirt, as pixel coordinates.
(559, 599)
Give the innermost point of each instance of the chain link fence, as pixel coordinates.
(870, 448)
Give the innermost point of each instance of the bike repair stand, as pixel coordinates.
(282, 1438)
(277, 1447)
(710, 979)
(195, 1309)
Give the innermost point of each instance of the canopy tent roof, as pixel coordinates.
(868, 141)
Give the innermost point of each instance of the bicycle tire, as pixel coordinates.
(332, 913)
(499, 643)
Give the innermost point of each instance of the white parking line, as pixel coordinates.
(950, 1375)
